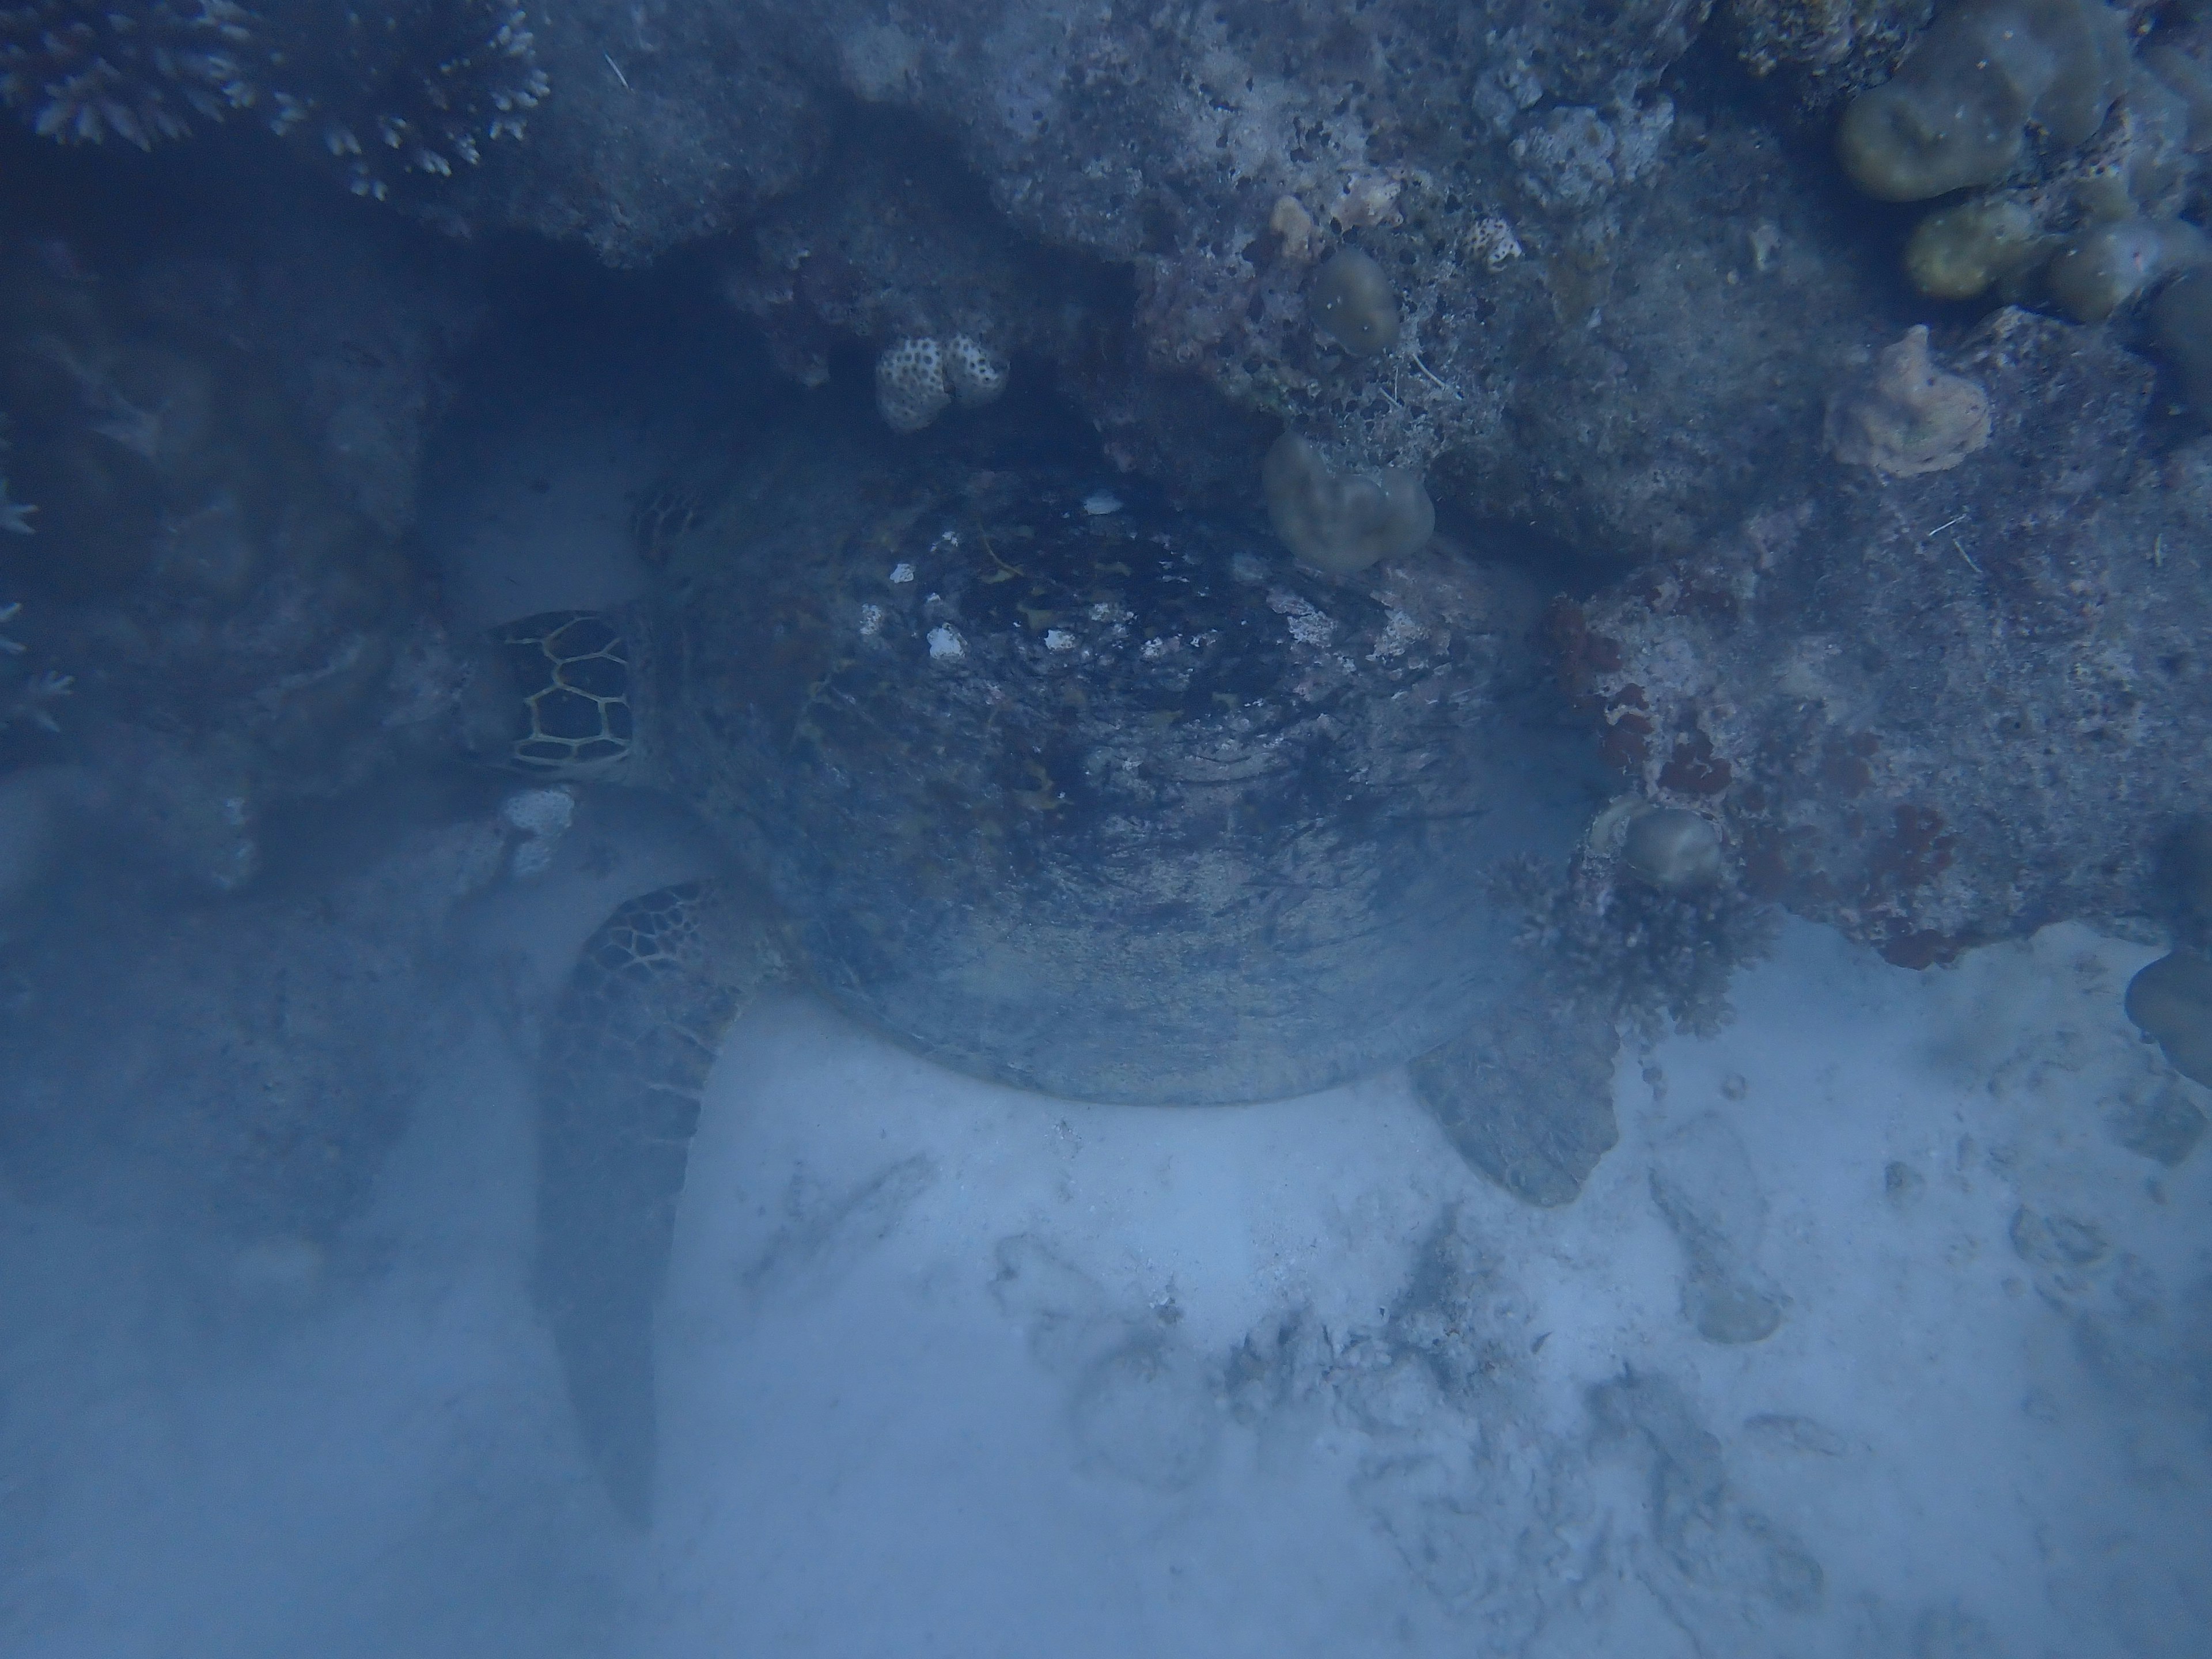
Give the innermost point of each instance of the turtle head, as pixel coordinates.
(555, 695)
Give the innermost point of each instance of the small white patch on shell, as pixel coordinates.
(946, 644)
(539, 811)
(1059, 638)
(902, 572)
(1100, 502)
(872, 621)
(1153, 650)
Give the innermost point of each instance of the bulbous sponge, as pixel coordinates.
(1342, 522)
(1351, 301)
(917, 379)
(1673, 850)
(2109, 265)
(1907, 416)
(1962, 250)
(1958, 109)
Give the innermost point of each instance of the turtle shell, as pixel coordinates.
(1068, 788)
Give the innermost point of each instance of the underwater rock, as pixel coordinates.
(257, 1057)
(2182, 318)
(239, 633)
(1907, 416)
(1813, 57)
(1782, 677)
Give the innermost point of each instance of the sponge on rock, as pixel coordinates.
(1342, 522)
(1957, 111)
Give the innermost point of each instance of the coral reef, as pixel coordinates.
(1814, 54)
(144, 72)
(1939, 709)
(2101, 211)
(1141, 211)
(235, 634)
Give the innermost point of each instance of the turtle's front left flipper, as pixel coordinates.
(624, 1060)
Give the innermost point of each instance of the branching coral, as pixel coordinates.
(31, 704)
(409, 89)
(144, 73)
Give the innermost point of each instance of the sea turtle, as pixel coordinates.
(1054, 783)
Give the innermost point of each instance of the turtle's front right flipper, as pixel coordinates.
(624, 1060)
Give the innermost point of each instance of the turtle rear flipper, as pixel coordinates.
(636, 1033)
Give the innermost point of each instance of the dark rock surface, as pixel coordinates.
(1943, 709)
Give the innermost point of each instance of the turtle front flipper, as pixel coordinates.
(636, 1033)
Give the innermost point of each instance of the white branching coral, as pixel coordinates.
(33, 703)
(415, 87)
(142, 72)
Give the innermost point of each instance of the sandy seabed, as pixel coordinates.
(951, 1370)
